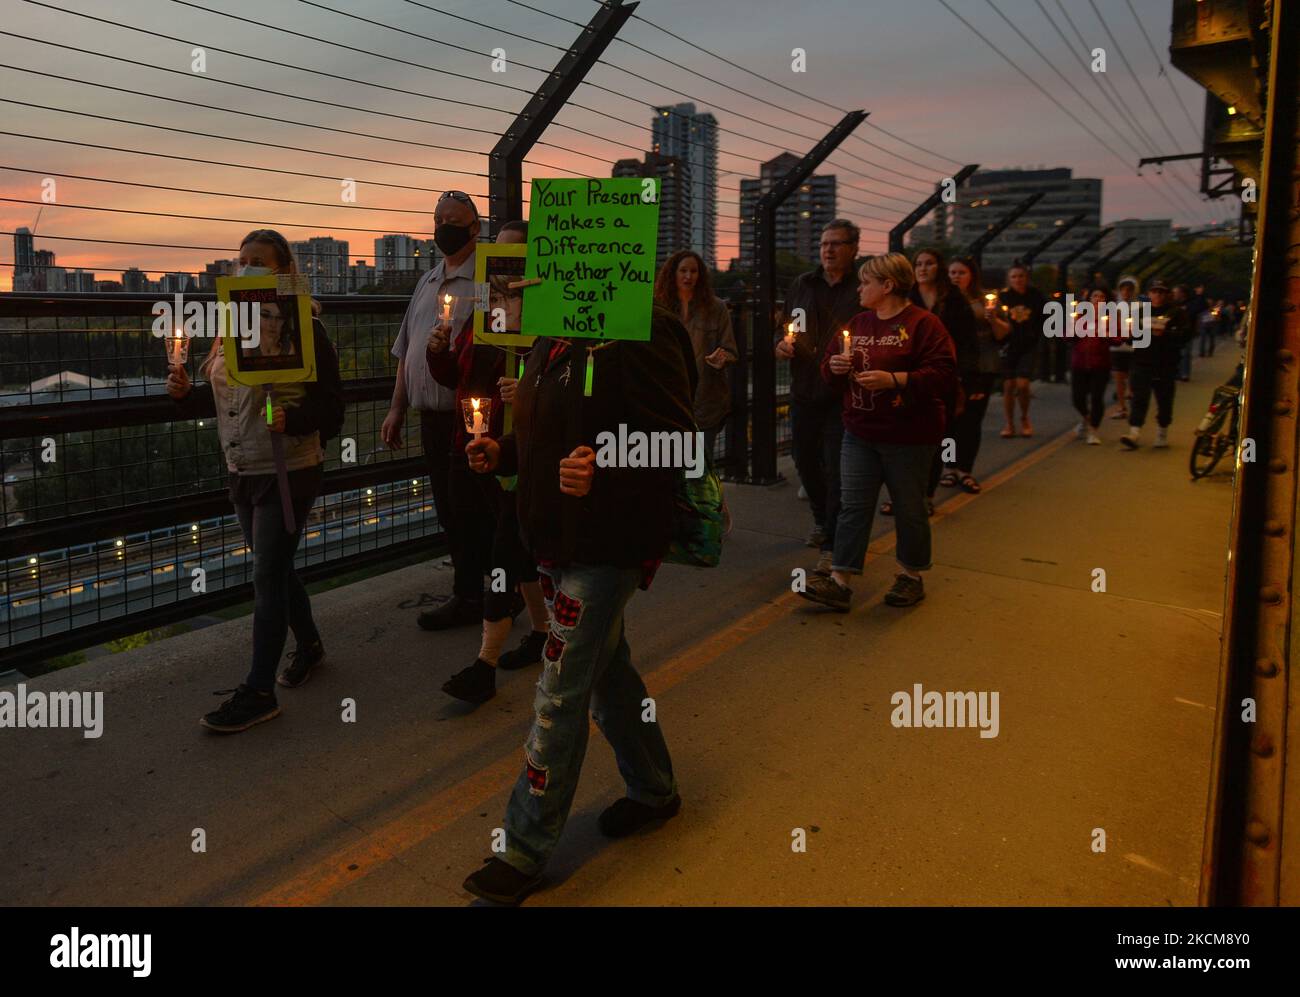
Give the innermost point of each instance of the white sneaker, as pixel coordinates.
(1079, 430)
(1093, 439)
(803, 494)
(1130, 439)
(1162, 437)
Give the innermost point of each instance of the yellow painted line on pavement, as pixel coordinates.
(350, 863)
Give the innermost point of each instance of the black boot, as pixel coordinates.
(455, 612)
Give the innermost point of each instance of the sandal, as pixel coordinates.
(886, 508)
(1007, 432)
(970, 485)
(949, 479)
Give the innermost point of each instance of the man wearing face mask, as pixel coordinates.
(456, 230)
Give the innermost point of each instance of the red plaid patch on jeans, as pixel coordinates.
(566, 610)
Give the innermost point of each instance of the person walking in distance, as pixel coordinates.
(449, 283)
(1121, 348)
(1090, 366)
(819, 305)
(1022, 306)
(977, 384)
(599, 534)
(935, 293)
(1155, 367)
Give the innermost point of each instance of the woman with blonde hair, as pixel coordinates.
(304, 416)
(897, 367)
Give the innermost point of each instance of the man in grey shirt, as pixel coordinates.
(456, 230)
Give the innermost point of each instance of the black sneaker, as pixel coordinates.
(246, 708)
(303, 662)
(827, 592)
(907, 591)
(625, 816)
(529, 652)
(475, 684)
(455, 612)
(501, 883)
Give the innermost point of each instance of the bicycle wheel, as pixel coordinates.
(1210, 445)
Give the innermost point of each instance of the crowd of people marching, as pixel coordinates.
(893, 365)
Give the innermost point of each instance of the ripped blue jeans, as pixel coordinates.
(586, 666)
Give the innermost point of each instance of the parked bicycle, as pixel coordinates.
(1217, 432)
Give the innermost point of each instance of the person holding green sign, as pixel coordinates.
(599, 534)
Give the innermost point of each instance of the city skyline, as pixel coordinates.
(982, 112)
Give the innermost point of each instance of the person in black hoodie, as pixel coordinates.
(304, 416)
(1155, 367)
(599, 534)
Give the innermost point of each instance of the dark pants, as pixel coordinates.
(865, 467)
(966, 429)
(510, 554)
(1143, 381)
(436, 431)
(816, 432)
(475, 499)
(280, 602)
(1088, 391)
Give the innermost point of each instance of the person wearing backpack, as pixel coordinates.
(599, 534)
(305, 415)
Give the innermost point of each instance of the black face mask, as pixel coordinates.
(451, 239)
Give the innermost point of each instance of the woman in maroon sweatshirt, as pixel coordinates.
(897, 368)
(1090, 366)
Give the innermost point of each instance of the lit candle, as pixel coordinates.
(847, 347)
(477, 427)
(178, 349)
(446, 307)
(789, 334)
(989, 299)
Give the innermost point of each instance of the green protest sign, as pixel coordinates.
(591, 244)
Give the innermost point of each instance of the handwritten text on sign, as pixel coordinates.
(592, 244)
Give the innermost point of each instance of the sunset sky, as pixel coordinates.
(920, 72)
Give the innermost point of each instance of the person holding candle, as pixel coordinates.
(1090, 365)
(1155, 367)
(901, 370)
(934, 292)
(820, 304)
(1021, 305)
(456, 228)
(1121, 348)
(485, 506)
(305, 415)
(977, 385)
(600, 534)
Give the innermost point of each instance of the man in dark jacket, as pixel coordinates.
(825, 298)
(599, 534)
(1155, 367)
